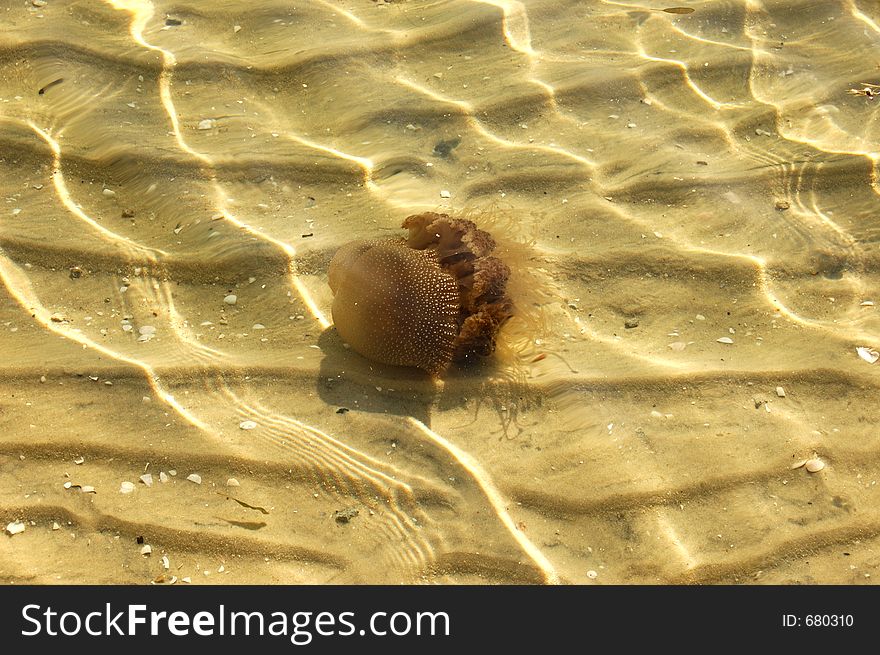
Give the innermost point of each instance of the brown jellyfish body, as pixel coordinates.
(435, 297)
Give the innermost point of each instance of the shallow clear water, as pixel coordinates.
(695, 198)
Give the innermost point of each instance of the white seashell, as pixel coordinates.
(15, 527)
(814, 465)
(194, 477)
(126, 487)
(867, 354)
(724, 340)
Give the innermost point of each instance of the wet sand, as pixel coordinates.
(699, 191)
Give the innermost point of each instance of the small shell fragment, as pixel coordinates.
(232, 482)
(445, 194)
(126, 487)
(146, 549)
(79, 460)
(799, 464)
(247, 425)
(165, 563)
(814, 465)
(147, 479)
(194, 477)
(780, 392)
(724, 340)
(15, 527)
(163, 476)
(206, 124)
(867, 354)
(592, 575)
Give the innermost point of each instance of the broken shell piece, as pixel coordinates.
(88, 489)
(780, 392)
(867, 354)
(147, 479)
(798, 464)
(247, 425)
(814, 465)
(163, 476)
(165, 563)
(146, 549)
(126, 487)
(724, 340)
(194, 477)
(232, 482)
(79, 460)
(15, 527)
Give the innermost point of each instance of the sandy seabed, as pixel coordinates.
(699, 187)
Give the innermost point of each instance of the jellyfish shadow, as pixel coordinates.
(350, 382)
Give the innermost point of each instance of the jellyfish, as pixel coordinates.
(429, 299)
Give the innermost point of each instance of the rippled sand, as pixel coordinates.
(698, 176)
